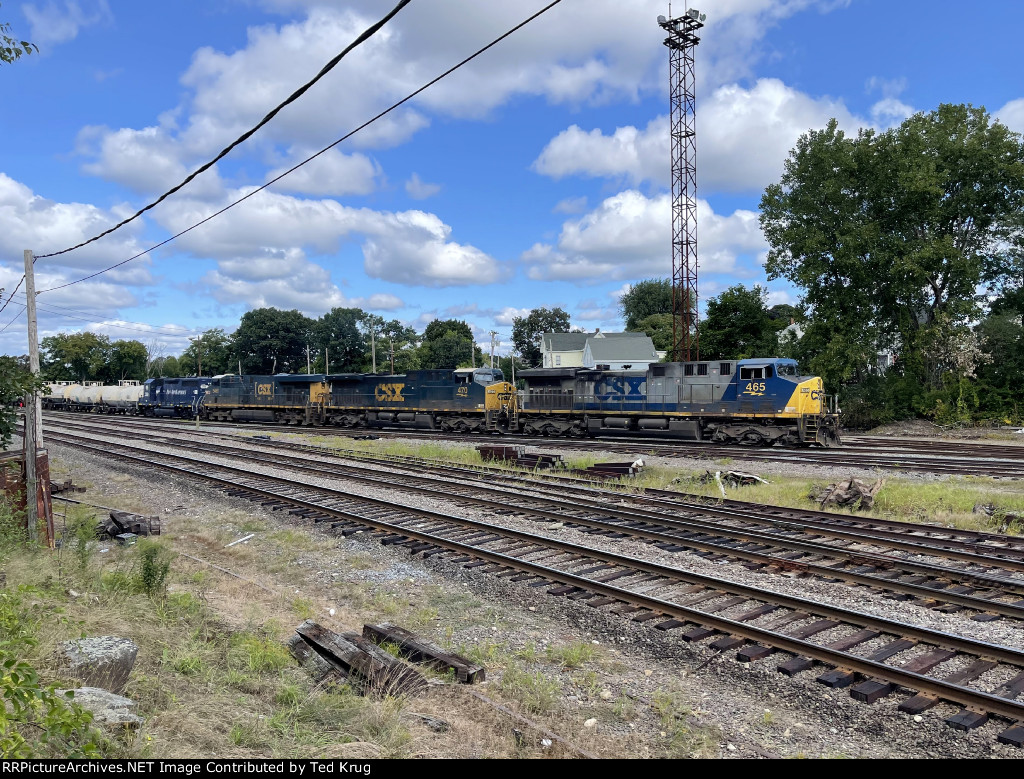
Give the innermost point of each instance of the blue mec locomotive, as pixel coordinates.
(173, 397)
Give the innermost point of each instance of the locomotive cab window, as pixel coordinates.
(760, 372)
(786, 370)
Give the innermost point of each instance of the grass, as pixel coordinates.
(572, 655)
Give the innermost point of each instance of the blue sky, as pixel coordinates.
(537, 176)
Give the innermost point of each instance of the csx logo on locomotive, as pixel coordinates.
(264, 389)
(389, 393)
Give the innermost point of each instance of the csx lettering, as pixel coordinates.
(389, 393)
(816, 395)
(264, 389)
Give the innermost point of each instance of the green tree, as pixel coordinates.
(527, 331)
(74, 357)
(645, 299)
(170, 367)
(15, 382)
(737, 326)
(212, 350)
(125, 360)
(448, 343)
(338, 333)
(400, 343)
(13, 48)
(659, 328)
(272, 341)
(889, 235)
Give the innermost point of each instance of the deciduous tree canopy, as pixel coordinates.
(527, 331)
(272, 341)
(646, 299)
(738, 326)
(889, 235)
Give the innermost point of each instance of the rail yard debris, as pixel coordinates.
(120, 523)
(420, 650)
(732, 478)
(852, 492)
(348, 657)
(537, 461)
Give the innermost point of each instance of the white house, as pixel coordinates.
(588, 350)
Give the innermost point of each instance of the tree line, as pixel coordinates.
(268, 341)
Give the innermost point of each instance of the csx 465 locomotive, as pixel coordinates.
(762, 401)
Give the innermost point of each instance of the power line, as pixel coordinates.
(294, 168)
(8, 301)
(366, 35)
(16, 318)
(86, 316)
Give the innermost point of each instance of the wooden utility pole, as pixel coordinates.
(33, 410)
(373, 345)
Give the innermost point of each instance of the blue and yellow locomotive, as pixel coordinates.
(761, 401)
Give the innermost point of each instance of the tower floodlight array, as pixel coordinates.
(681, 41)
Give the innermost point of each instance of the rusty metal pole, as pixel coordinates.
(33, 423)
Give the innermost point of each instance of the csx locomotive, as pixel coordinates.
(754, 402)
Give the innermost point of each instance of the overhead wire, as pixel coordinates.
(16, 318)
(11, 297)
(312, 157)
(368, 33)
(86, 316)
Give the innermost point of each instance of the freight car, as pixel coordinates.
(120, 398)
(757, 402)
(173, 397)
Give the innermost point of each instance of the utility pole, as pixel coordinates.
(492, 333)
(327, 361)
(373, 345)
(391, 352)
(309, 370)
(33, 410)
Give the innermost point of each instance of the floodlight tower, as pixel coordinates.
(681, 41)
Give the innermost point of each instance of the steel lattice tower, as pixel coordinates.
(681, 41)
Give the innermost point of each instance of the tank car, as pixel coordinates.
(758, 401)
(57, 397)
(173, 397)
(463, 400)
(122, 398)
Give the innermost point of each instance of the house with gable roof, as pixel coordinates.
(588, 350)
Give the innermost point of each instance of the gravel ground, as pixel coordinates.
(854, 598)
(803, 718)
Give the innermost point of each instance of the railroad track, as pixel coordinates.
(874, 656)
(860, 556)
(997, 461)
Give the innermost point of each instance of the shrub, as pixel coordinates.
(35, 721)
